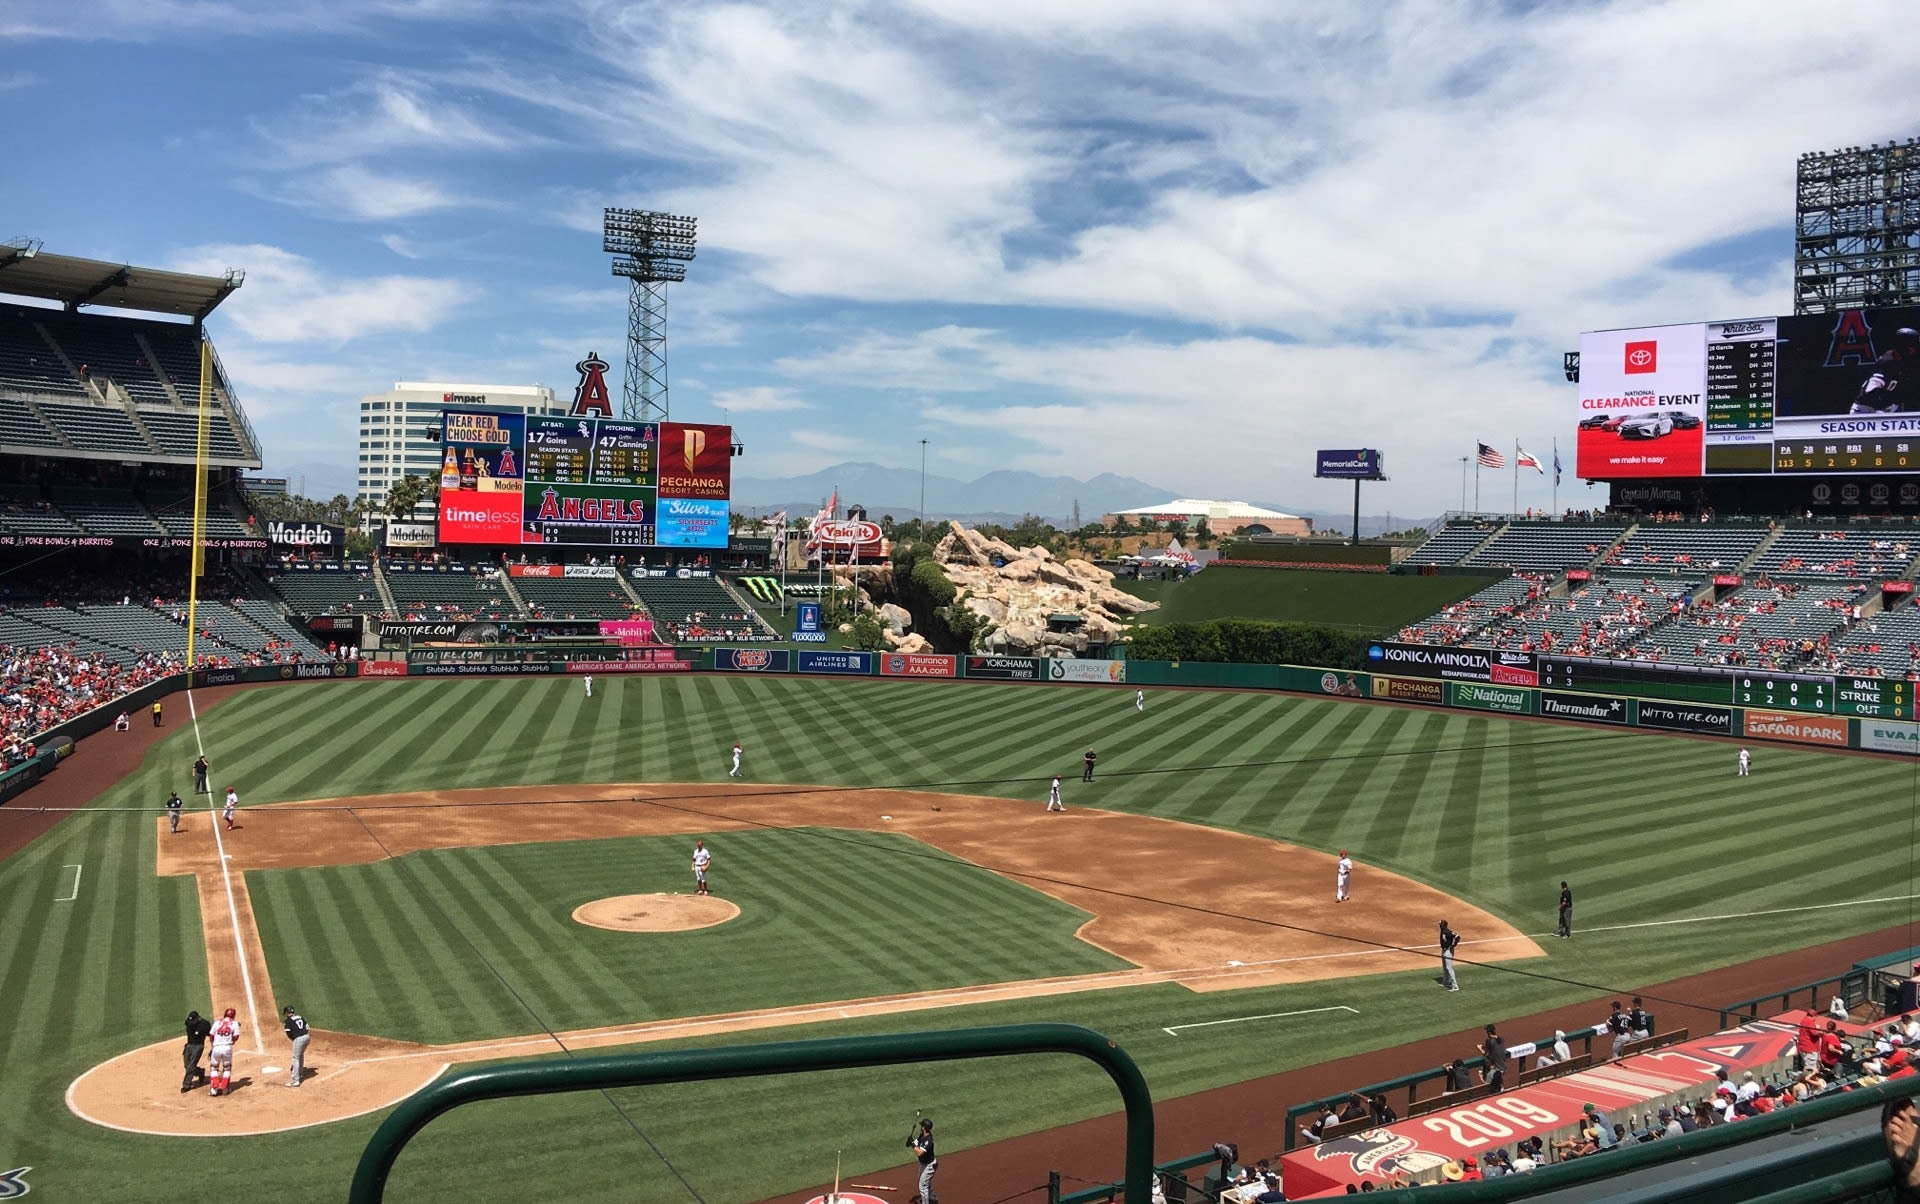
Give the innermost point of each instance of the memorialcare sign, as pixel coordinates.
(1555, 705)
(1454, 664)
(1401, 689)
(1800, 729)
(1685, 717)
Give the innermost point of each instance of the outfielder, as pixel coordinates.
(1140, 701)
(589, 683)
(702, 858)
(1053, 796)
(1746, 763)
(226, 1031)
(735, 771)
(1342, 877)
(226, 812)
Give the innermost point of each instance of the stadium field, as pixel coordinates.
(443, 917)
(1371, 602)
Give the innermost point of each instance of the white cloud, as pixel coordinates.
(354, 191)
(288, 299)
(381, 116)
(16, 80)
(759, 399)
(403, 247)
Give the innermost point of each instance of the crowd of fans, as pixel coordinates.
(42, 687)
(700, 625)
(1824, 1060)
(1460, 620)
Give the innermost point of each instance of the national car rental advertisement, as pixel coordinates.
(1642, 402)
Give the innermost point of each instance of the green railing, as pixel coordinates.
(1103, 1192)
(1411, 1084)
(1852, 988)
(553, 1076)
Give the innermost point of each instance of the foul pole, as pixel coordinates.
(196, 558)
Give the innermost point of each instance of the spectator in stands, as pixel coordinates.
(1528, 1155)
(1833, 1047)
(1749, 1089)
(1807, 1042)
(1669, 1124)
(1599, 1120)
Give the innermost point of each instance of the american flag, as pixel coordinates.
(1526, 459)
(1489, 458)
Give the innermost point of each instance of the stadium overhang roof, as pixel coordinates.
(27, 272)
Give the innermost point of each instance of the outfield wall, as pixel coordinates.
(1798, 720)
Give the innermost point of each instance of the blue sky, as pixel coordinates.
(1186, 242)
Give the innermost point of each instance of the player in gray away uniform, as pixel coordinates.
(1880, 392)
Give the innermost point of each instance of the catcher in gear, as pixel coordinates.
(1879, 392)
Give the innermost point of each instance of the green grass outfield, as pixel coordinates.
(1649, 829)
(1373, 602)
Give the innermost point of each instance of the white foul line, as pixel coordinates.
(75, 892)
(1742, 915)
(226, 876)
(1174, 1031)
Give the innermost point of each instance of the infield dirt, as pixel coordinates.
(1216, 923)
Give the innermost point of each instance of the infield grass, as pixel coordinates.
(1370, 602)
(1647, 828)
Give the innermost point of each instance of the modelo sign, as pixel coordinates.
(1358, 464)
(846, 531)
(307, 535)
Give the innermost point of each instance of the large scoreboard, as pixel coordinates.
(1809, 394)
(511, 478)
(1865, 697)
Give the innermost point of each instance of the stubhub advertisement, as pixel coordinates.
(691, 523)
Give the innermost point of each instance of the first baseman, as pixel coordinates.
(702, 858)
(1342, 877)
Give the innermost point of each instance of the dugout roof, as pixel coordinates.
(75, 282)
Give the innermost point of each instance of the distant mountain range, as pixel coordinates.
(996, 497)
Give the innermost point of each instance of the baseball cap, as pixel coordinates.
(1588, 1108)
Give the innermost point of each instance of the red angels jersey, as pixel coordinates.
(225, 1031)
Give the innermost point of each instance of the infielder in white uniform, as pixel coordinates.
(1342, 877)
(1746, 763)
(589, 681)
(226, 1031)
(735, 771)
(1053, 796)
(1140, 701)
(702, 858)
(226, 812)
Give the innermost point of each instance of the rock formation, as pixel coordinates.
(1027, 587)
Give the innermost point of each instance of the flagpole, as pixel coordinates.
(1556, 474)
(1515, 512)
(1463, 484)
(1476, 480)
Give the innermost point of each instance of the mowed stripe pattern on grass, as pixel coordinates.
(822, 918)
(1490, 809)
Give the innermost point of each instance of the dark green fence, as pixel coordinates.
(554, 1076)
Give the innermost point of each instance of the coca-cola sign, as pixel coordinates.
(846, 531)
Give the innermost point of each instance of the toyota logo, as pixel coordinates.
(1640, 358)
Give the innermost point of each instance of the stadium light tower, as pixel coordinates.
(651, 250)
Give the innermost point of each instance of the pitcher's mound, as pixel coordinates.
(655, 913)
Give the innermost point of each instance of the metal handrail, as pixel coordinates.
(1852, 986)
(554, 1075)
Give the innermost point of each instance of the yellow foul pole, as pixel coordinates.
(198, 555)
